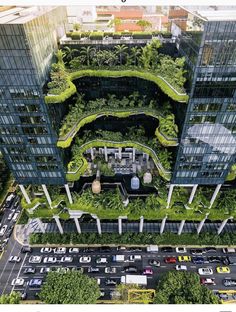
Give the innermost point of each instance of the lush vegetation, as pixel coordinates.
(145, 63)
(183, 288)
(24, 218)
(69, 288)
(128, 238)
(4, 178)
(13, 298)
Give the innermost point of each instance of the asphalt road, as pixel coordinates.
(152, 280)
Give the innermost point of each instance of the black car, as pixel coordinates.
(214, 259)
(134, 249)
(197, 252)
(210, 249)
(154, 262)
(110, 282)
(225, 260)
(229, 282)
(167, 249)
(198, 260)
(105, 249)
(88, 249)
(29, 270)
(93, 270)
(26, 249)
(130, 269)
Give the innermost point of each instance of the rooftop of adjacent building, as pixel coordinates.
(22, 15)
(213, 13)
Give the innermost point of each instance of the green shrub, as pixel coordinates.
(142, 35)
(68, 34)
(96, 36)
(108, 34)
(75, 35)
(117, 35)
(166, 34)
(85, 34)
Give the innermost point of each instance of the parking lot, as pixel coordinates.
(102, 277)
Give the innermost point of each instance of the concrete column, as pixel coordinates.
(68, 194)
(163, 223)
(47, 194)
(99, 226)
(105, 154)
(141, 224)
(169, 195)
(181, 226)
(40, 224)
(215, 194)
(120, 225)
(200, 225)
(133, 160)
(120, 150)
(23, 191)
(147, 157)
(77, 225)
(59, 224)
(223, 224)
(192, 194)
(92, 153)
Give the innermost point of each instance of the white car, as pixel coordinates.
(10, 216)
(35, 259)
(18, 282)
(110, 270)
(14, 259)
(180, 267)
(73, 250)
(67, 259)
(45, 270)
(50, 260)
(46, 250)
(3, 230)
(59, 250)
(205, 271)
(85, 259)
(181, 250)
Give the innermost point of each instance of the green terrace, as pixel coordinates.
(166, 132)
(109, 205)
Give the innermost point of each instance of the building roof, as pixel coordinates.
(128, 26)
(213, 13)
(125, 14)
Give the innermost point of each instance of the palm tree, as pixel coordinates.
(76, 26)
(69, 52)
(135, 54)
(120, 50)
(60, 56)
(88, 53)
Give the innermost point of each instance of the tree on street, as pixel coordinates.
(13, 298)
(69, 288)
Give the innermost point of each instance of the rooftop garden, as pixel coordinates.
(85, 112)
(145, 63)
(109, 205)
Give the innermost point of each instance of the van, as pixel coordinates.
(228, 250)
(133, 258)
(101, 260)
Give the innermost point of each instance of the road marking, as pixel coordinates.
(163, 266)
(7, 263)
(18, 272)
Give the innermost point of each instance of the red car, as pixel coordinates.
(207, 281)
(148, 271)
(170, 260)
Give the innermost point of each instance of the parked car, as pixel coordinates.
(207, 281)
(227, 282)
(45, 270)
(134, 249)
(110, 270)
(15, 217)
(29, 270)
(167, 249)
(180, 249)
(180, 267)
(74, 250)
(121, 248)
(46, 250)
(10, 215)
(154, 262)
(198, 260)
(62, 269)
(59, 250)
(26, 249)
(14, 259)
(67, 259)
(104, 249)
(130, 269)
(50, 260)
(134, 258)
(101, 260)
(184, 258)
(18, 282)
(214, 259)
(110, 282)
(9, 231)
(88, 249)
(210, 249)
(197, 252)
(147, 271)
(35, 283)
(35, 259)
(223, 296)
(170, 260)
(205, 271)
(23, 295)
(223, 270)
(228, 250)
(3, 230)
(93, 270)
(85, 259)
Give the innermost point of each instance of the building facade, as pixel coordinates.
(28, 39)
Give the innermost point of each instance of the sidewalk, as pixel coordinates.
(22, 231)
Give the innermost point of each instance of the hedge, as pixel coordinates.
(96, 36)
(142, 35)
(158, 80)
(163, 140)
(129, 238)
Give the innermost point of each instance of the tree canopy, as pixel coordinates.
(69, 288)
(182, 288)
(13, 298)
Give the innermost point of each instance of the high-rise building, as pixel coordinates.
(28, 40)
